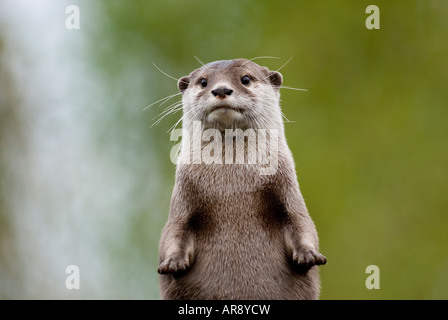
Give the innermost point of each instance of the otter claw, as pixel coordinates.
(173, 266)
(308, 258)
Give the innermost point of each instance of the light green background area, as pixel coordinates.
(86, 180)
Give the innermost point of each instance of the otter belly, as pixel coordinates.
(241, 259)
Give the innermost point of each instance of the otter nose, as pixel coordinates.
(221, 93)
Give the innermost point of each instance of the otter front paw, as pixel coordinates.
(306, 258)
(173, 265)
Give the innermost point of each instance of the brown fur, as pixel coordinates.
(233, 233)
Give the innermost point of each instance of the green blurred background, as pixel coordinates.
(86, 180)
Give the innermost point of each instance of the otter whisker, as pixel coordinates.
(172, 110)
(178, 121)
(284, 64)
(159, 120)
(175, 125)
(286, 119)
(203, 64)
(291, 88)
(163, 72)
(163, 100)
(260, 57)
(172, 96)
(172, 106)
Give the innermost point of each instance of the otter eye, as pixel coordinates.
(203, 82)
(245, 80)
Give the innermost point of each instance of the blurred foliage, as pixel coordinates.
(369, 137)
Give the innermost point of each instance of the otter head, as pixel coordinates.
(232, 94)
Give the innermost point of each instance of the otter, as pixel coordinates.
(233, 232)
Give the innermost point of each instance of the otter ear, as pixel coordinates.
(275, 78)
(183, 83)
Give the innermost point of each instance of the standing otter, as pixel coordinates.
(235, 232)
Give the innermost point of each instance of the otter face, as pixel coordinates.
(232, 94)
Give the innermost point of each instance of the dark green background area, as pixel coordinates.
(369, 137)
